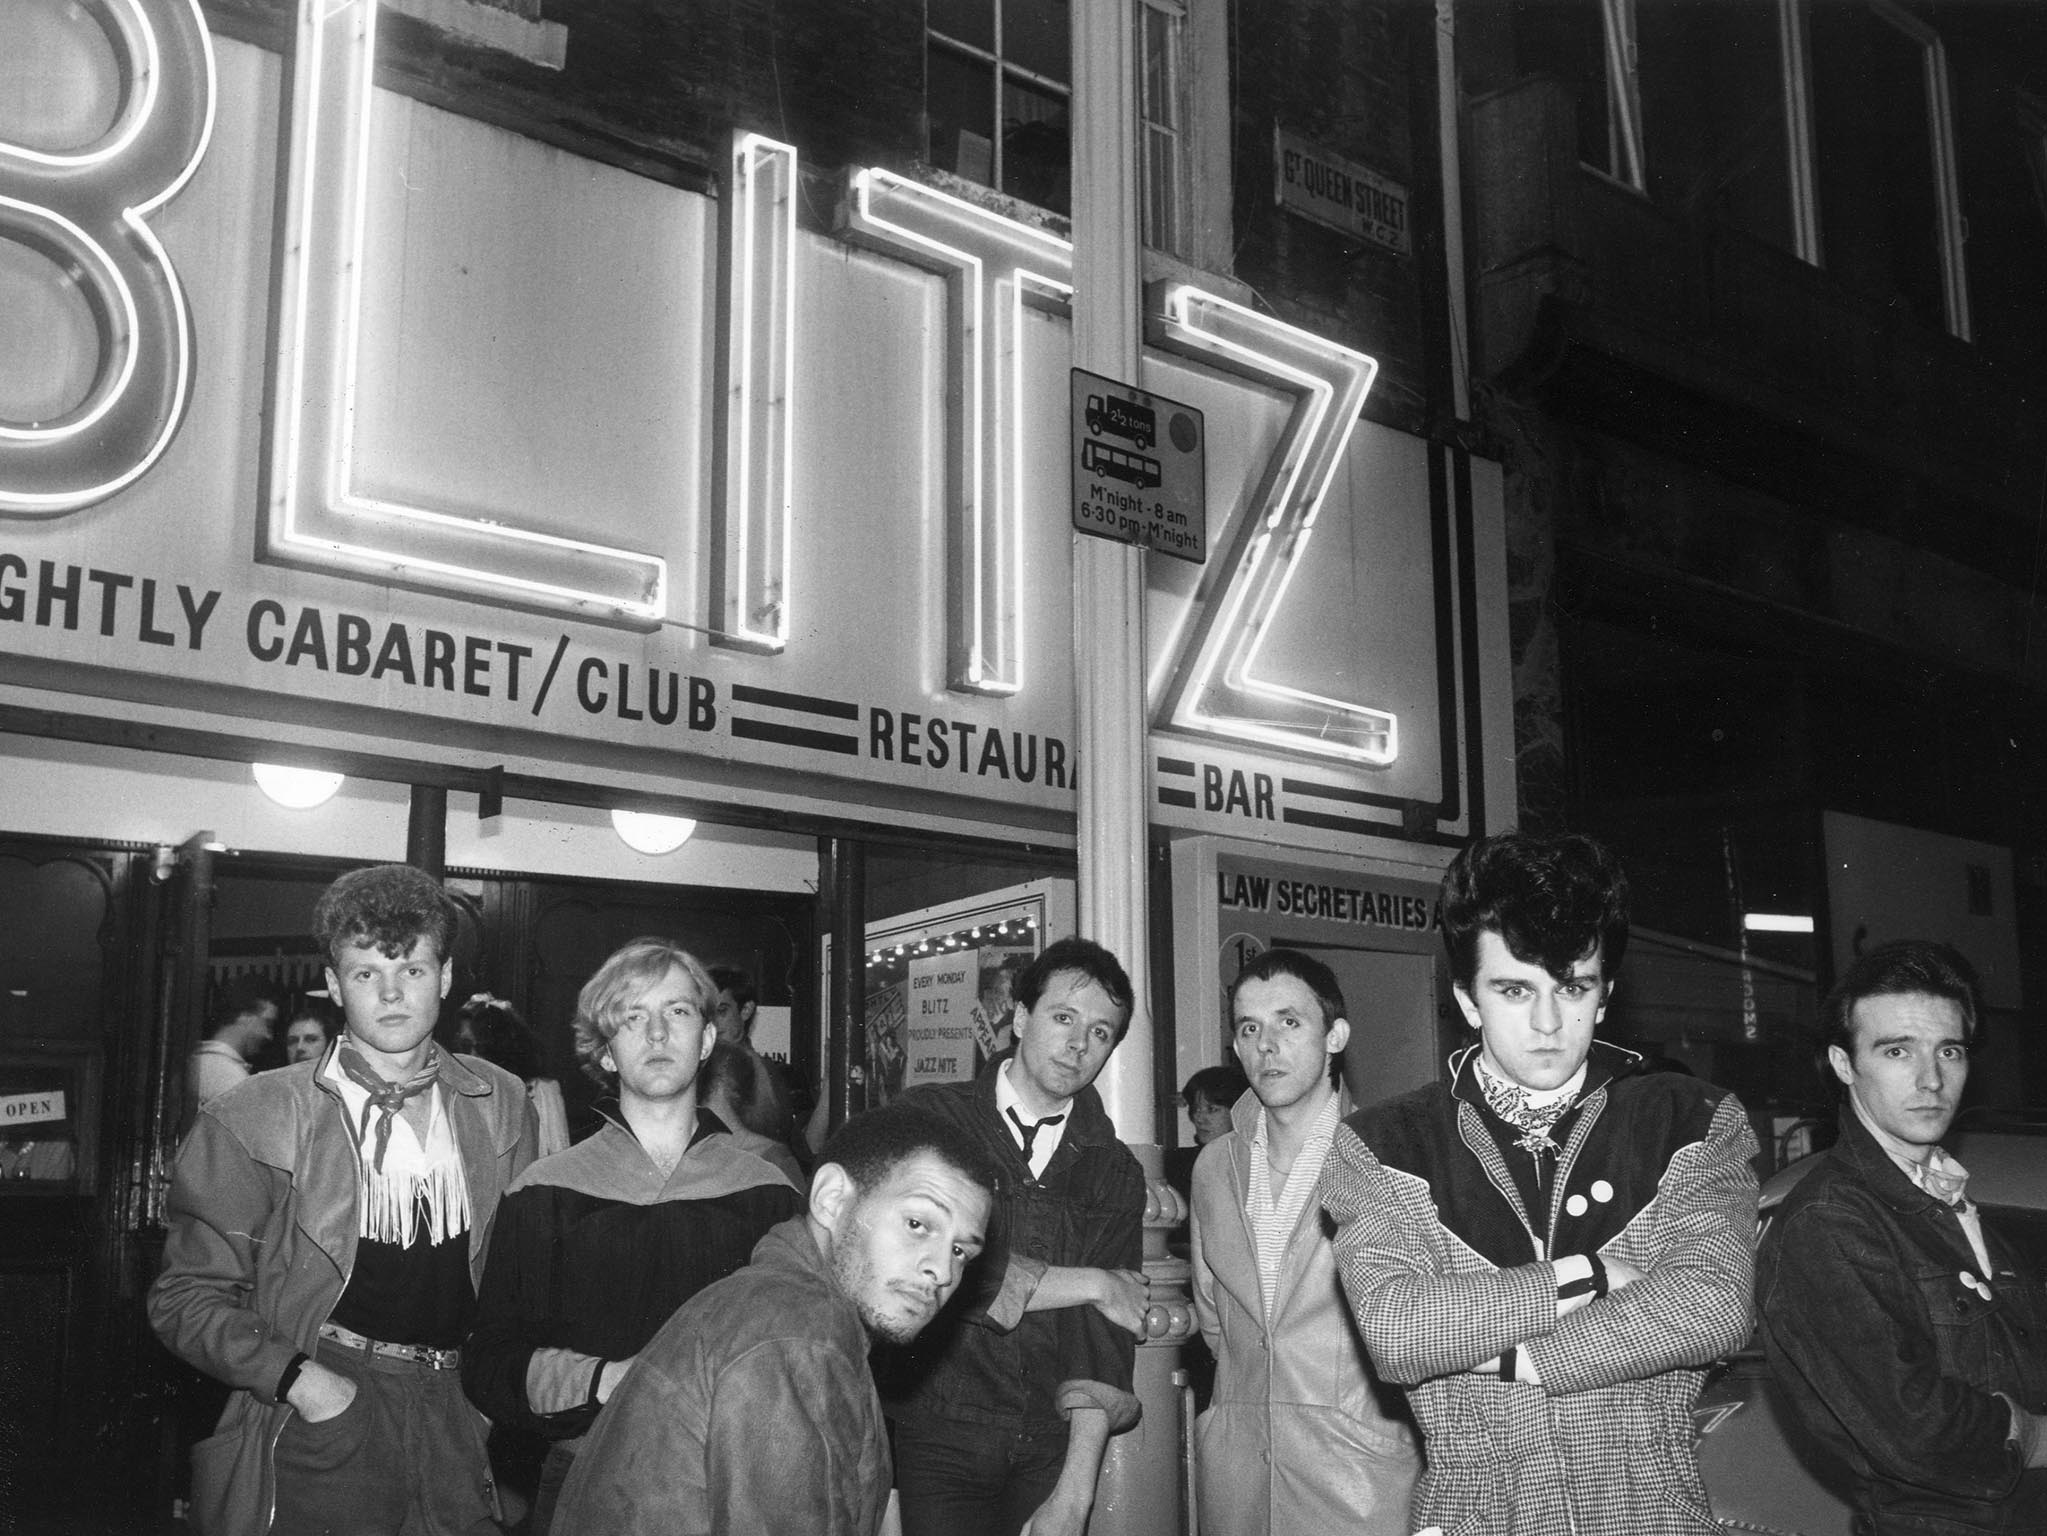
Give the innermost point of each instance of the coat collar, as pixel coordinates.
(1873, 1165)
(1605, 1063)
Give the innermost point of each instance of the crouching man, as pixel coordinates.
(1910, 1336)
(753, 1410)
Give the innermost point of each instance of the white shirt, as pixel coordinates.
(1048, 1137)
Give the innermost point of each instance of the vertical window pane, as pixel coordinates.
(960, 104)
(1036, 151)
(1037, 35)
(1566, 39)
(1879, 218)
(2001, 146)
(1712, 79)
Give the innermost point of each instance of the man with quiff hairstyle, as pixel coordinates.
(329, 1223)
(1549, 1247)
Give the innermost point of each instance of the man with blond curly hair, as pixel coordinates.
(598, 1245)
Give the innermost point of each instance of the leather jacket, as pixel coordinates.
(262, 1240)
(1892, 1358)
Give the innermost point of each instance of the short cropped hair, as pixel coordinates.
(630, 970)
(1221, 1085)
(388, 908)
(1901, 966)
(872, 1145)
(322, 1013)
(243, 995)
(1087, 958)
(1304, 968)
(730, 978)
(1550, 899)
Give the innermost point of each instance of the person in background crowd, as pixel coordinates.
(244, 1023)
(1004, 1407)
(312, 1026)
(765, 1107)
(1547, 1248)
(753, 1409)
(727, 1076)
(1210, 1095)
(1909, 1333)
(328, 1225)
(1295, 1439)
(598, 1245)
(489, 1027)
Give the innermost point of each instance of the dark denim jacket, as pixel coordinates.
(1893, 1358)
(977, 1364)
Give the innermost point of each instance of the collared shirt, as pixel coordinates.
(1273, 1217)
(1964, 1208)
(1048, 1137)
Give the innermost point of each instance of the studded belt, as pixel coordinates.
(414, 1354)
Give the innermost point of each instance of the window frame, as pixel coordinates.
(1001, 70)
(1171, 14)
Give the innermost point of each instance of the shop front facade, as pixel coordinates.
(358, 429)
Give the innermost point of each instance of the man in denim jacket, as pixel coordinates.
(1908, 1335)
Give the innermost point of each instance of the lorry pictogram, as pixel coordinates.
(1124, 418)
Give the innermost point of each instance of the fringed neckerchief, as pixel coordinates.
(408, 1185)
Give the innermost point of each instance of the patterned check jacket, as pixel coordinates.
(1445, 1268)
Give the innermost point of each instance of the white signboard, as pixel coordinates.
(38, 1108)
(1345, 196)
(1138, 468)
(939, 1040)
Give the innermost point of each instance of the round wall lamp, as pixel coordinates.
(297, 789)
(649, 832)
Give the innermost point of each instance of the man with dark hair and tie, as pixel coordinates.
(328, 1228)
(1004, 1406)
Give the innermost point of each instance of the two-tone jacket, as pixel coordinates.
(595, 1248)
(1295, 1438)
(1445, 1268)
(1893, 1345)
(262, 1240)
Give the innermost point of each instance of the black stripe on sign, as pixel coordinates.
(1184, 798)
(1177, 765)
(795, 736)
(1335, 823)
(835, 709)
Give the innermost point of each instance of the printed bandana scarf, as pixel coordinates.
(1512, 1103)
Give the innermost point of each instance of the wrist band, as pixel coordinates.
(596, 1376)
(1598, 1275)
(1507, 1362)
(289, 1375)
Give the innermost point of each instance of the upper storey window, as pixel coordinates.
(998, 95)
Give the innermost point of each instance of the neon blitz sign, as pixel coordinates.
(89, 211)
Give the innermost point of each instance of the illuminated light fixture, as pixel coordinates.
(88, 211)
(755, 469)
(992, 268)
(1218, 691)
(650, 832)
(296, 789)
(314, 515)
(1776, 922)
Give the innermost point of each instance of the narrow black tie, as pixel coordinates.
(1030, 1132)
